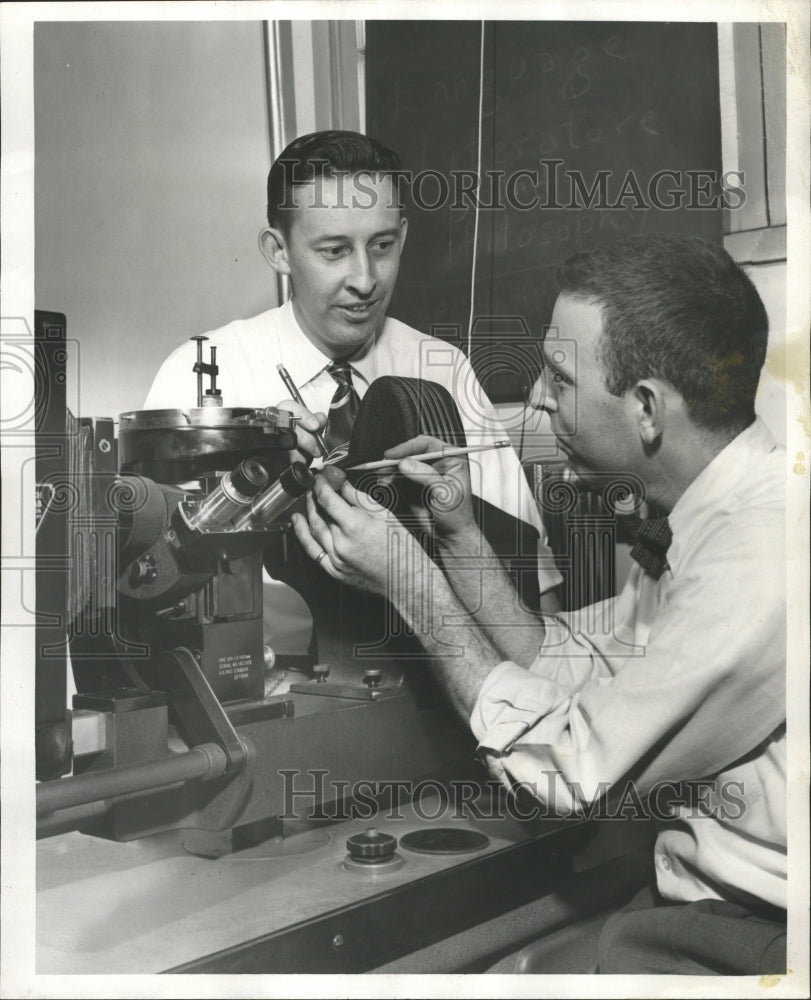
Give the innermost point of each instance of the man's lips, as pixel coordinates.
(357, 309)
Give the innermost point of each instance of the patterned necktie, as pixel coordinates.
(343, 409)
(652, 542)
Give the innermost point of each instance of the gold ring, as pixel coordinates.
(319, 557)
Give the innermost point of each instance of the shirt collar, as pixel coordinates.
(717, 483)
(303, 360)
(297, 352)
(361, 361)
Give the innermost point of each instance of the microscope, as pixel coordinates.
(170, 726)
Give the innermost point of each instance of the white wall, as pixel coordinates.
(152, 152)
(752, 60)
(770, 281)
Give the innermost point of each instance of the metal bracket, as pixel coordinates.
(200, 716)
(212, 394)
(348, 684)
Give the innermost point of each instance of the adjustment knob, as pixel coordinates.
(372, 677)
(371, 847)
(143, 570)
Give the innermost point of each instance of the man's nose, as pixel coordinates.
(362, 278)
(540, 398)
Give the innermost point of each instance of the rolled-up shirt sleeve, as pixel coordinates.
(705, 689)
(513, 699)
(537, 703)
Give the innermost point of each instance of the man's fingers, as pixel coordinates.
(306, 418)
(318, 526)
(311, 545)
(330, 502)
(421, 473)
(409, 453)
(416, 446)
(451, 471)
(306, 423)
(305, 536)
(360, 500)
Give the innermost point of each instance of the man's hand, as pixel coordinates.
(358, 541)
(350, 535)
(306, 422)
(473, 571)
(441, 495)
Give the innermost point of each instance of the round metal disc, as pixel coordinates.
(444, 840)
(372, 870)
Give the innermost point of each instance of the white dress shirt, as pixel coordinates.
(248, 352)
(674, 680)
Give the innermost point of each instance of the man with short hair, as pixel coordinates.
(336, 228)
(677, 684)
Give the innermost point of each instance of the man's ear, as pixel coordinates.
(650, 399)
(274, 249)
(403, 232)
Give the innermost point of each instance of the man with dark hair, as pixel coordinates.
(675, 689)
(327, 154)
(709, 335)
(336, 229)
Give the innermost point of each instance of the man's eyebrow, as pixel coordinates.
(394, 231)
(546, 352)
(549, 362)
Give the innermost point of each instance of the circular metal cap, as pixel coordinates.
(444, 840)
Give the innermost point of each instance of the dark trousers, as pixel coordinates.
(653, 936)
(707, 937)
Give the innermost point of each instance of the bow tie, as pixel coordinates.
(652, 542)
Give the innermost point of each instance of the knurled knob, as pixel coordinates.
(250, 477)
(371, 846)
(297, 479)
(143, 570)
(321, 672)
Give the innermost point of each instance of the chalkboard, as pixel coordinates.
(615, 125)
